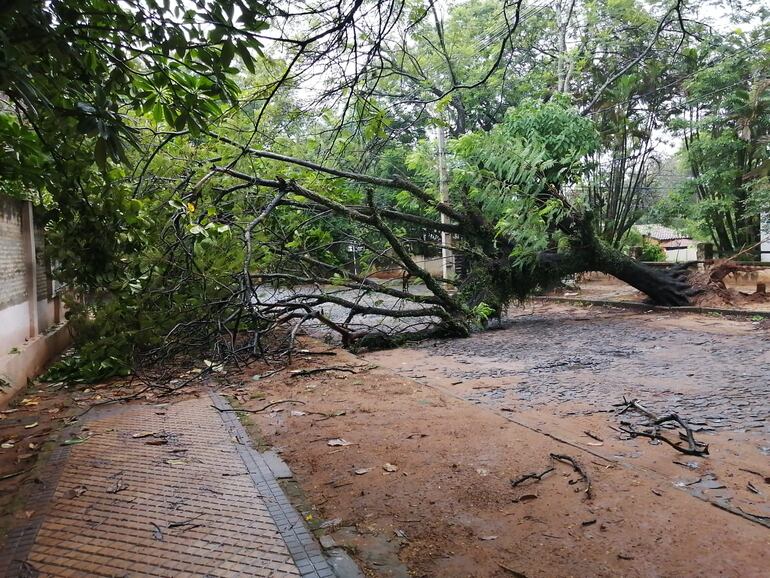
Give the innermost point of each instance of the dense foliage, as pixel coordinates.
(195, 160)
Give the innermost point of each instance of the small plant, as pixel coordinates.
(482, 312)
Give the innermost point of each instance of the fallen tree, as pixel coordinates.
(220, 246)
(516, 228)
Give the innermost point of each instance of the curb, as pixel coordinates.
(264, 470)
(647, 307)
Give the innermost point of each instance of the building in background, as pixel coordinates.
(679, 247)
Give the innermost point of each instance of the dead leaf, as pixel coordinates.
(297, 413)
(31, 425)
(362, 471)
(7, 445)
(157, 533)
(338, 442)
(176, 462)
(73, 441)
(157, 442)
(487, 538)
(143, 434)
(119, 486)
(390, 468)
(77, 491)
(331, 523)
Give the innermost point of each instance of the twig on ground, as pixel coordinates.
(269, 405)
(14, 474)
(308, 352)
(578, 468)
(269, 373)
(756, 473)
(554, 458)
(114, 400)
(593, 435)
(761, 520)
(184, 522)
(301, 372)
(694, 448)
(326, 416)
(531, 476)
(158, 533)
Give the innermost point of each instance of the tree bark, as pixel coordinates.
(663, 286)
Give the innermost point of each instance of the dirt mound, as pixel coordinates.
(712, 291)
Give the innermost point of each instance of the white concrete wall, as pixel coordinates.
(764, 235)
(27, 305)
(14, 326)
(433, 265)
(681, 255)
(46, 314)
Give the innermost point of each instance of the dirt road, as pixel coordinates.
(458, 420)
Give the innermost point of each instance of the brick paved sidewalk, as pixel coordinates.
(162, 491)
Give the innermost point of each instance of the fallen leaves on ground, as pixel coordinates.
(338, 442)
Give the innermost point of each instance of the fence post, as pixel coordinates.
(705, 252)
(30, 260)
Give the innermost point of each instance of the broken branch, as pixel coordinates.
(694, 448)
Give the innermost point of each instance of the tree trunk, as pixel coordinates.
(667, 286)
(664, 286)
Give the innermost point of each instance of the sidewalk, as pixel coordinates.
(171, 490)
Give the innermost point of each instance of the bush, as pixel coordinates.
(652, 251)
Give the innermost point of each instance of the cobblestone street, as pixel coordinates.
(714, 371)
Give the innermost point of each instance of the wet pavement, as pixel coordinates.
(161, 490)
(585, 361)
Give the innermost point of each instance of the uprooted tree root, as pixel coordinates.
(709, 284)
(652, 429)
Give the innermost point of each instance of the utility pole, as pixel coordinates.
(447, 255)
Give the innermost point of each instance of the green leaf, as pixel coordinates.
(100, 153)
(243, 52)
(226, 56)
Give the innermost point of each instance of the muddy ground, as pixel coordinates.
(426, 441)
(457, 420)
